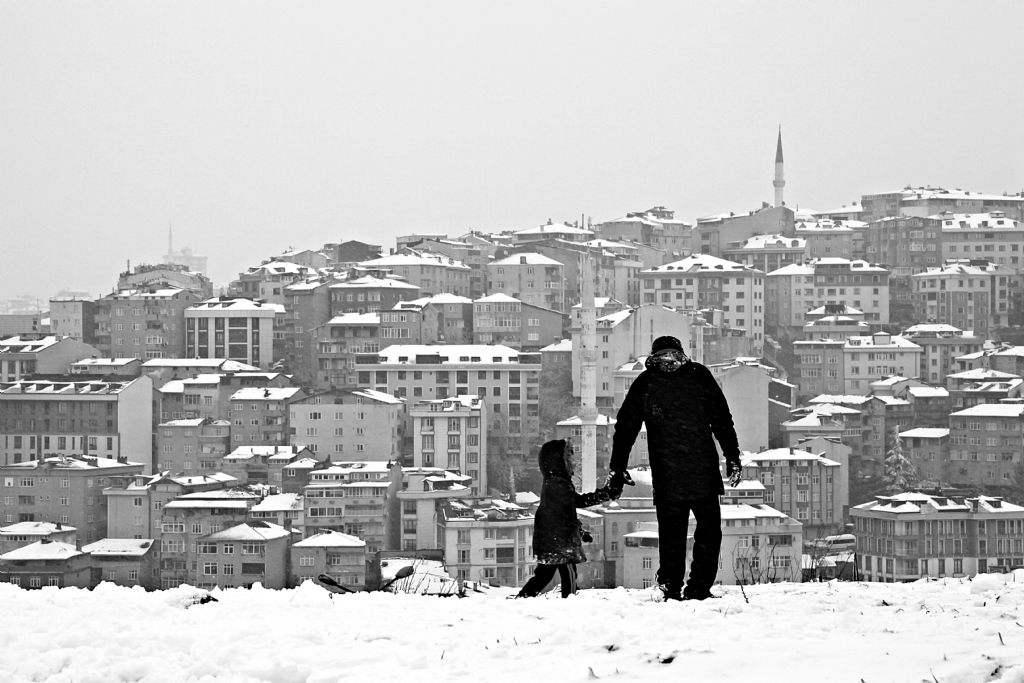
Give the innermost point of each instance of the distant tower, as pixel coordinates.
(779, 183)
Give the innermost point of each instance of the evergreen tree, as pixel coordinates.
(900, 472)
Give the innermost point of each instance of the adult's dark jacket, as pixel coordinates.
(683, 410)
(556, 529)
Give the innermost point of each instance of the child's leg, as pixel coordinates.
(541, 576)
(567, 573)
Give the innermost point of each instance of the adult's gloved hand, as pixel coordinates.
(734, 471)
(617, 479)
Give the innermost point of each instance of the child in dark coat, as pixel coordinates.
(557, 532)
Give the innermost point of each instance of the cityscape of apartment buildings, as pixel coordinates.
(332, 404)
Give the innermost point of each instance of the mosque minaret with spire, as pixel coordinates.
(779, 181)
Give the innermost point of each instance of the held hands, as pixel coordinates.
(617, 479)
(735, 472)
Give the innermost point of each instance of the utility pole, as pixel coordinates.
(588, 373)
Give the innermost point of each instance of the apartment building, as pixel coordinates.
(355, 498)
(531, 278)
(424, 492)
(713, 233)
(451, 433)
(916, 535)
(338, 343)
(340, 556)
(572, 428)
(143, 323)
(146, 276)
(985, 445)
(187, 446)
(613, 266)
(352, 424)
(50, 355)
(283, 509)
(940, 345)
(260, 415)
(990, 236)
(432, 273)
(47, 563)
(487, 540)
(657, 227)
(21, 534)
(107, 367)
(368, 294)
(261, 465)
(163, 370)
(876, 357)
(263, 555)
(134, 504)
(266, 282)
(767, 252)
(561, 231)
(928, 449)
(475, 255)
(73, 317)
(705, 281)
(796, 291)
(124, 562)
(100, 418)
(412, 322)
(826, 238)
(502, 319)
(209, 395)
(509, 379)
(236, 329)
(308, 306)
(807, 486)
(64, 489)
(928, 201)
(188, 518)
(971, 295)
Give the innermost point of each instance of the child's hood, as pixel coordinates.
(552, 459)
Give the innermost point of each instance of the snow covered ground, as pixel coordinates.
(949, 631)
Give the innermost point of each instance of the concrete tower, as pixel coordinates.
(588, 373)
(779, 182)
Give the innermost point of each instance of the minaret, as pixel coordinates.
(779, 183)
(588, 374)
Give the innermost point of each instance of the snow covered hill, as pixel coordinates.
(949, 631)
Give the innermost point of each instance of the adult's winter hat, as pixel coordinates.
(662, 343)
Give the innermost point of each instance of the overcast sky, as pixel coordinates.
(256, 126)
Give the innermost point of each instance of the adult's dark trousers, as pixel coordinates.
(673, 524)
(542, 576)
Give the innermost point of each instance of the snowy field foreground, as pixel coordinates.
(949, 631)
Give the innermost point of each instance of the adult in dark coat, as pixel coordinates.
(557, 532)
(683, 407)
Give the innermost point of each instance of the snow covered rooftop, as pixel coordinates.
(527, 258)
(991, 410)
(265, 394)
(120, 547)
(330, 539)
(34, 529)
(236, 305)
(451, 354)
(370, 282)
(925, 433)
(251, 531)
(356, 319)
(602, 420)
(563, 228)
(426, 259)
(928, 392)
(703, 263)
(42, 550)
(559, 346)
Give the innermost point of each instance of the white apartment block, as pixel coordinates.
(451, 433)
(911, 536)
(508, 379)
(424, 492)
(432, 273)
(485, 540)
(237, 329)
(704, 281)
(795, 291)
(869, 359)
(349, 425)
(991, 236)
(970, 295)
(352, 498)
(530, 277)
(807, 486)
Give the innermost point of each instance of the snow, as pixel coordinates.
(948, 630)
